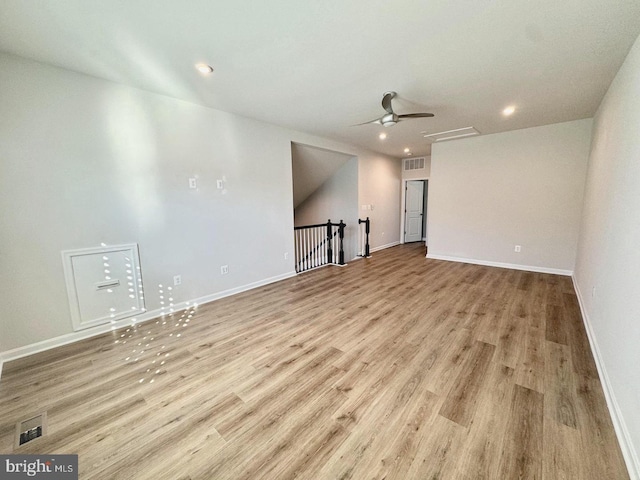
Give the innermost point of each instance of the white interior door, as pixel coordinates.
(414, 204)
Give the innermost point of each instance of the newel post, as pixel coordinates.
(367, 229)
(341, 235)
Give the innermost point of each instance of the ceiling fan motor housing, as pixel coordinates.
(389, 120)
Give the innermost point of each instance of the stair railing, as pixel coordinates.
(318, 245)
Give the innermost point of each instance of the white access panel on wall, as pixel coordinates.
(104, 284)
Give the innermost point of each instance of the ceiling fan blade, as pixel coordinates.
(416, 115)
(386, 101)
(377, 120)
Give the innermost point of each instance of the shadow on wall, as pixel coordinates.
(325, 186)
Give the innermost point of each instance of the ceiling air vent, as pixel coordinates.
(414, 163)
(451, 134)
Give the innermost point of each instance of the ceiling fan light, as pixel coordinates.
(204, 68)
(389, 123)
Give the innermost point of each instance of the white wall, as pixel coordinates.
(379, 185)
(85, 161)
(336, 199)
(607, 272)
(524, 187)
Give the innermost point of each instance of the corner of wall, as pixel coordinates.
(622, 432)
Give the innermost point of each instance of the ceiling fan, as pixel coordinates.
(391, 118)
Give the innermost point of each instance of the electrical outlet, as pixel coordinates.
(517, 249)
(177, 279)
(224, 269)
(220, 184)
(193, 183)
(286, 255)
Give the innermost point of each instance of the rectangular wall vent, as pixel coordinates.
(451, 134)
(414, 163)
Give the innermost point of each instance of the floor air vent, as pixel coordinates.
(30, 429)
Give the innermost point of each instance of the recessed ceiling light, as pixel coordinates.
(204, 68)
(509, 110)
(382, 136)
(407, 150)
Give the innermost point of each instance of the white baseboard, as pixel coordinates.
(382, 247)
(622, 432)
(513, 266)
(243, 288)
(148, 315)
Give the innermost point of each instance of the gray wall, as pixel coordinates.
(524, 187)
(608, 263)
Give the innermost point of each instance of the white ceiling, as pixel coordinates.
(320, 66)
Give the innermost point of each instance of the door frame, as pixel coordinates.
(403, 206)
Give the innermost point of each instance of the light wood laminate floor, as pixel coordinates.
(395, 367)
